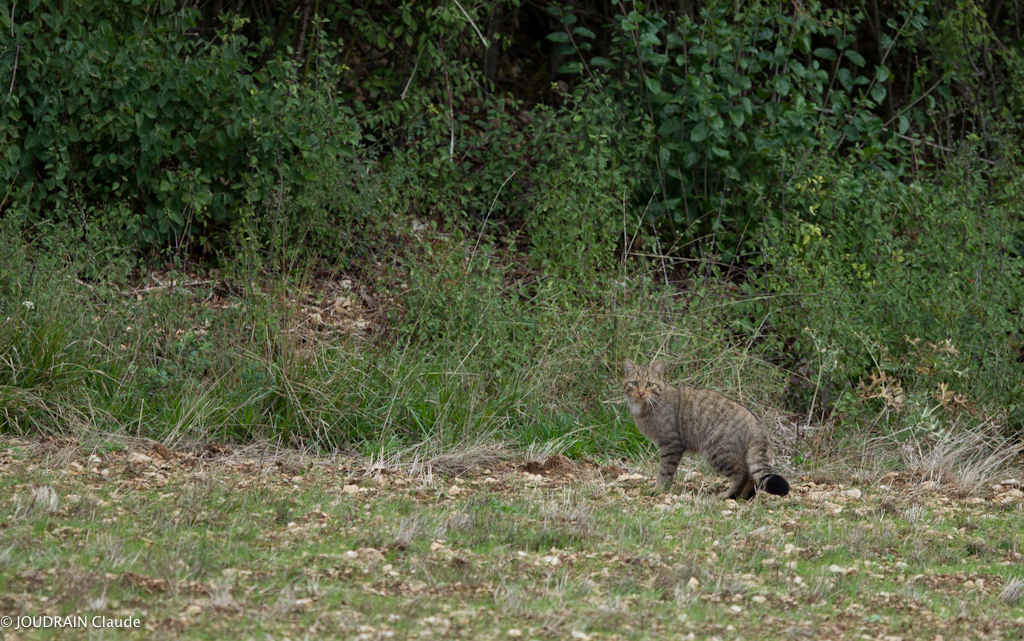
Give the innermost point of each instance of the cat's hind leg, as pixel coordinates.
(749, 489)
(740, 485)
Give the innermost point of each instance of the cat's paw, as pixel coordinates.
(656, 490)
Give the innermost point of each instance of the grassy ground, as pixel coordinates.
(216, 544)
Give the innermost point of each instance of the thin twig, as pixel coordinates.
(657, 241)
(412, 75)
(928, 143)
(17, 53)
(484, 225)
(482, 38)
(578, 52)
(451, 109)
(911, 105)
(191, 283)
(874, 79)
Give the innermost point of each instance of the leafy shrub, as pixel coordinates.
(870, 267)
(122, 110)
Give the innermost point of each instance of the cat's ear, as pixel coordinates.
(658, 368)
(629, 366)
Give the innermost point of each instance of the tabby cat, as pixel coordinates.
(691, 419)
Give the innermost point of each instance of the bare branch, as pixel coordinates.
(482, 38)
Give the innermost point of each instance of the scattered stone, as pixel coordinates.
(371, 556)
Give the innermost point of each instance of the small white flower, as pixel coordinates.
(27, 304)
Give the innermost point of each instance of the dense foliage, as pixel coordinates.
(844, 174)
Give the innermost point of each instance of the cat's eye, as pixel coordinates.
(650, 385)
(635, 383)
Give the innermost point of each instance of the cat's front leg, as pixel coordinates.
(670, 456)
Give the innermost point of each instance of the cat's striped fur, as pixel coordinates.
(692, 419)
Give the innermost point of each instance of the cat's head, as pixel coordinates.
(644, 385)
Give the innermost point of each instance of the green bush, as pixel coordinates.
(119, 118)
(869, 267)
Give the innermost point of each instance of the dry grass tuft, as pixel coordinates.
(409, 530)
(40, 499)
(571, 514)
(432, 457)
(1013, 592)
(968, 457)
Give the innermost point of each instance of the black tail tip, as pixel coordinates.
(775, 484)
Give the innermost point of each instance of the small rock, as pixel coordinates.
(514, 632)
(929, 485)
(758, 598)
(629, 477)
(138, 457)
(852, 493)
(351, 489)
(371, 556)
(693, 583)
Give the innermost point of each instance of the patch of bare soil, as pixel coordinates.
(554, 464)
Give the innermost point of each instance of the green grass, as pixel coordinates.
(258, 544)
(310, 362)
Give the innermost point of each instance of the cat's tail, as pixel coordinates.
(764, 475)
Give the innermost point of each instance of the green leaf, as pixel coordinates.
(699, 133)
(782, 85)
(558, 36)
(845, 78)
(598, 61)
(825, 52)
(855, 57)
(653, 85)
(904, 125)
(878, 93)
(584, 32)
(881, 74)
(738, 115)
(13, 153)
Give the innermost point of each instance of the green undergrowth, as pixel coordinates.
(211, 359)
(454, 353)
